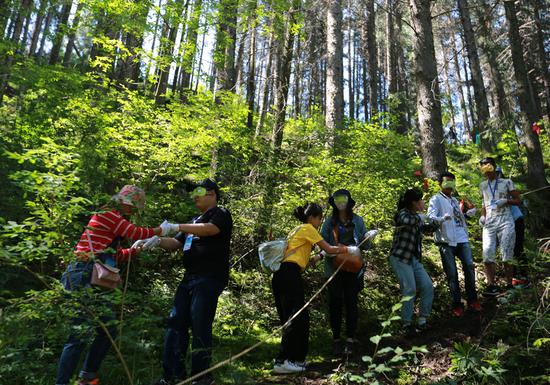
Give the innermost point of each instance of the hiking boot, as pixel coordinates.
(288, 367)
(337, 348)
(94, 381)
(458, 311)
(491, 291)
(474, 306)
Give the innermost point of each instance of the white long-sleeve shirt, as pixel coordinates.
(451, 231)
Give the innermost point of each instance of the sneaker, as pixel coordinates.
(474, 306)
(492, 291)
(458, 311)
(337, 348)
(288, 367)
(94, 381)
(521, 283)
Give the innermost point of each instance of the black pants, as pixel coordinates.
(288, 290)
(343, 291)
(519, 254)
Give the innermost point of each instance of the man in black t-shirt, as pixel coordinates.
(205, 242)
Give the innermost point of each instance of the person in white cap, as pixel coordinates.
(498, 224)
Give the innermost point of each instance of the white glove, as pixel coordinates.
(139, 243)
(501, 203)
(482, 221)
(151, 243)
(371, 233)
(471, 212)
(168, 228)
(447, 217)
(354, 250)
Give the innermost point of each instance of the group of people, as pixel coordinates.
(205, 243)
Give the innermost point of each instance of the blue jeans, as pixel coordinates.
(464, 253)
(194, 308)
(412, 276)
(76, 280)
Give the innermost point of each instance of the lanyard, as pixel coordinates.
(493, 191)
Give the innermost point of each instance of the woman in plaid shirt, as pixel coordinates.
(406, 253)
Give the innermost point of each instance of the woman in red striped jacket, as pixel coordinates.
(101, 240)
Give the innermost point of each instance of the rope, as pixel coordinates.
(532, 191)
(248, 350)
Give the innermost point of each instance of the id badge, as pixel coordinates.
(188, 242)
(493, 204)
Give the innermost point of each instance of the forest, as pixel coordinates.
(281, 103)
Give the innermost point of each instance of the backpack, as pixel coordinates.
(272, 253)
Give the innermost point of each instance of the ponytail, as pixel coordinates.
(302, 213)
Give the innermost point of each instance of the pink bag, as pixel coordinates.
(103, 275)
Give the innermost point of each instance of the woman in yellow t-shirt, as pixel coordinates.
(288, 287)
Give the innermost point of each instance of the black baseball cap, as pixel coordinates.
(208, 184)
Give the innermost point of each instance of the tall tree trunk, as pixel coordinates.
(226, 35)
(535, 164)
(334, 75)
(4, 17)
(281, 95)
(250, 80)
(491, 50)
(351, 69)
(60, 31)
(434, 161)
(449, 93)
(38, 26)
(19, 23)
(460, 88)
(541, 54)
(172, 21)
(372, 58)
(266, 85)
(47, 23)
(467, 84)
(297, 79)
(482, 107)
(191, 44)
(366, 96)
(72, 35)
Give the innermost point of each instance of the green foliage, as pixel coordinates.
(70, 140)
(383, 360)
(475, 365)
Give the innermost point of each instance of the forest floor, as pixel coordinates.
(438, 340)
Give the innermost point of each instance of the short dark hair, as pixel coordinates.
(302, 213)
(489, 160)
(410, 196)
(446, 174)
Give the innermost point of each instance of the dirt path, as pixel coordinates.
(438, 340)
